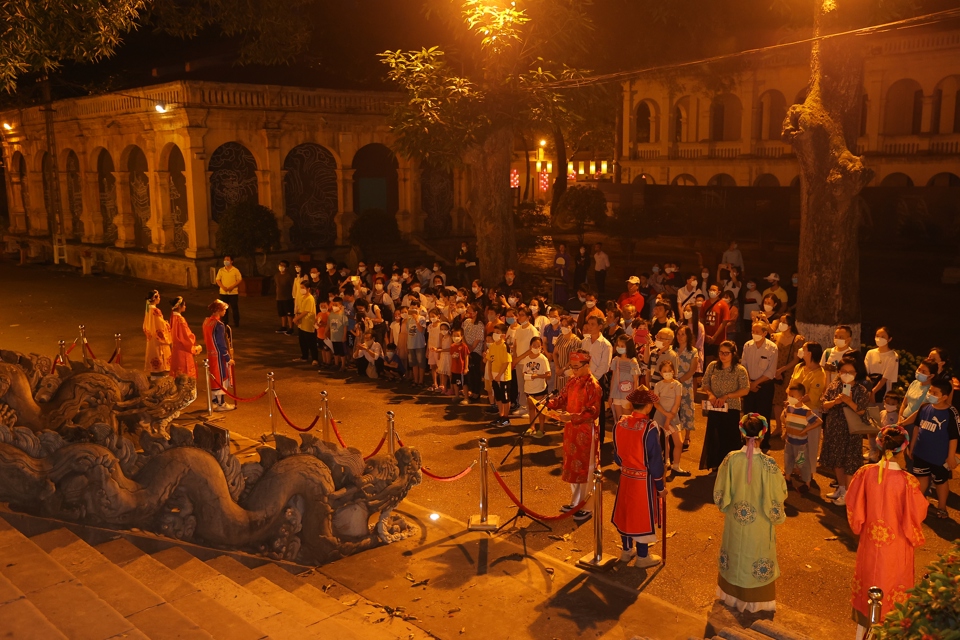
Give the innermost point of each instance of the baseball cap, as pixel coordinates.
(633, 280)
(772, 277)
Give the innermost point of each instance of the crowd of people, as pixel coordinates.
(674, 342)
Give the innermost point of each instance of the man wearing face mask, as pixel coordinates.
(687, 293)
(229, 279)
(601, 352)
(842, 336)
(590, 310)
(760, 360)
(632, 296)
(934, 447)
(283, 283)
(776, 290)
(329, 281)
(575, 304)
(715, 313)
(510, 283)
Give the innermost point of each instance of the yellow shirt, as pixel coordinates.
(229, 279)
(500, 360)
(780, 293)
(815, 383)
(305, 304)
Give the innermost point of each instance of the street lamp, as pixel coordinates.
(160, 107)
(7, 126)
(543, 143)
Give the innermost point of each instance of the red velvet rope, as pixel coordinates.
(116, 352)
(253, 399)
(457, 476)
(375, 451)
(336, 432)
(276, 401)
(527, 510)
(90, 351)
(72, 347)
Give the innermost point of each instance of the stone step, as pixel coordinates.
(217, 620)
(146, 609)
(47, 585)
(232, 596)
(19, 618)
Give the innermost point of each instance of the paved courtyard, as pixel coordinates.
(40, 305)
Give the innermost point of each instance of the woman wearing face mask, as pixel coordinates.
(625, 376)
(843, 451)
(670, 391)
(771, 309)
(563, 346)
(538, 314)
(562, 264)
(916, 393)
(581, 264)
(691, 319)
(883, 366)
(477, 292)
(752, 302)
(690, 363)
(789, 342)
(611, 328)
(725, 382)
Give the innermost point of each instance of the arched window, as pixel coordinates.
(643, 122)
(684, 180)
(107, 188)
(233, 177)
(177, 194)
(375, 183)
(766, 180)
(139, 197)
(725, 118)
(310, 196)
(903, 108)
(722, 180)
(74, 195)
(897, 180)
(770, 115)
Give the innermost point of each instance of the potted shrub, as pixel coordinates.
(245, 228)
(932, 608)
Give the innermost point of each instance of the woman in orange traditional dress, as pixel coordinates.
(157, 331)
(886, 508)
(184, 345)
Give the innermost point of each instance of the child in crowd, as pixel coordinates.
(433, 346)
(443, 359)
(798, 419)
(934, 447)
(888, 418)
(459, 355)
(324, 343)
(535, 368)
(394, 367)
(498, 355)
(669, 391)
(624, 377)
(414, 327)
(337, 322)
(369, 356)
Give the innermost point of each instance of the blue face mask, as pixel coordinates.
(511, 320)
(922, 377)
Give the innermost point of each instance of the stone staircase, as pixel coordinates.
(55, 585)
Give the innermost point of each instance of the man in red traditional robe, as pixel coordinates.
(580, 403)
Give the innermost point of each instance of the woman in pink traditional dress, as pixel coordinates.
(157, 331)
(636, 448)
(184, 345)
(886, 509)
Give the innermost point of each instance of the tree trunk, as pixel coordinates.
(560, 182)
(491, 204)
(830, 179)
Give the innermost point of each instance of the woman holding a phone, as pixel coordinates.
(843, 451)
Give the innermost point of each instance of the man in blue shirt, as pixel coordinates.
(934, 448)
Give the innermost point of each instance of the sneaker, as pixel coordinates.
(464, 403)
(834, 484)
(505, 421)
(289, 332)
(651, 560)
(299, 359)
(686, 446)
(567, 507)
(627, 555)
(280, 331)
(582, 516)
(220, 408)
(841, 500)
(314, 363)
(517, 412)
(833, 495)
(677, 471)
(539, 434)
(491, 409)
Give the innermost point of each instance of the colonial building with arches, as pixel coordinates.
(142, 176)
(690, 130)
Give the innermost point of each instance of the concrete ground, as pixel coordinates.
(470, 574)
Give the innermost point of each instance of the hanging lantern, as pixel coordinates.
(514, 179)
(580, 168)
(544, 181)
(593, 167)
(539, 166)
(603, 166)
(549, 167)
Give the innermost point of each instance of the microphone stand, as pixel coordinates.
(519, 443)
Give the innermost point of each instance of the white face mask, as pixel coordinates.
(227, 263)
(443, 332)
(667, 375)
(792, 401)
(847, 377)
(475, 290)
(692, 284)
(800, 353)
(534, 308)
(882, 342)
(378, 287)
(511, 301)
(564, 330)
(658, 344)
(934, 399)
(622, 350)
(758, 338)
(591, 304)
(712, 294)
(361, 269)
(554, 321)
(688, 314)
(390, 354)
(377, 268)
(891, 407)
(839, 343)
(705, 275)
(461, 311)
(535, 351)
(496, 336)
(457, 339)
(768, 308)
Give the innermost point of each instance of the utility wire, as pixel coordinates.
(619, 76)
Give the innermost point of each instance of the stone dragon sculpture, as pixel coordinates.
(36, 394)
(311, 502)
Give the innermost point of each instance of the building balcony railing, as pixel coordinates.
(945, 144)
(771, 149)
(646, 151)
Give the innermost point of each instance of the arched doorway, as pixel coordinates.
(684, 180)
(20, 177)
(436, 200)
(944, 180)
(375, 183)
(766, 180)
(233, 177)
(903, 108)
(310, 196)
(770, 115)
(51, 196)
(107, 188)
(722, 180)
(74, 195)
(177, 195)
(725, 118)
(139, 197)
(897, 180)
(644, 178)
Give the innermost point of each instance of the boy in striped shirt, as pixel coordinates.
(798, 419)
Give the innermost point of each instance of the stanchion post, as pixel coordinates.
(483, 522)
(116, 347)
(326, 432)
(391, 435)
(598, 560)
(272, 402)
(83, 342)
(206, 373)
(63, 353)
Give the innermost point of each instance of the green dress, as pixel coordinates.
(748, 553)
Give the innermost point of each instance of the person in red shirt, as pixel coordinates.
(715, 313)
(459, 365)
(632, 296)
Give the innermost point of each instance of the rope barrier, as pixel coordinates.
(527, 510)
(336, 432)
(253, 399)
(72, 347)
(113, 356)
(90, 351)
(287, 420)
(375, 451)
(457, 476)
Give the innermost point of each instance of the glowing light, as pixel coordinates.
(603, 166)
(593, 167)
(543, 143)
(544, 181)
(570, 168)
(580, 169)
(160, 107)
(549, 167)
(7, 126)
(434, 516)
(539, 166)
(514, 179)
